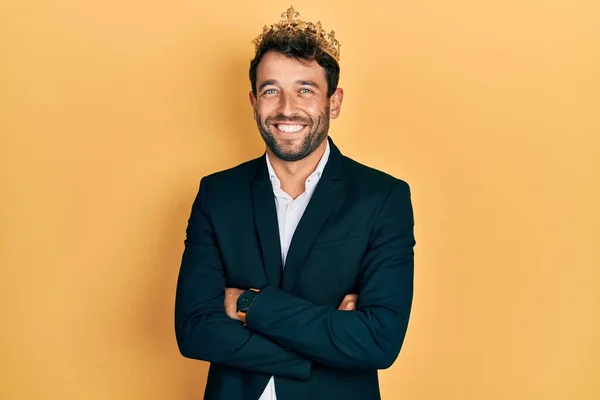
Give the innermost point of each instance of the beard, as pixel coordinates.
(284, 149)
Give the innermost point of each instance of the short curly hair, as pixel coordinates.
(300, 46)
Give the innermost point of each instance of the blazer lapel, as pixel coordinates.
(329, 192)
(265, 219)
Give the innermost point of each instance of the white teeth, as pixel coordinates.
(289, 128)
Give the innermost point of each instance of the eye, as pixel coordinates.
(270, 91)
(305, 90)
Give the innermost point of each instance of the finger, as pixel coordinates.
(349, 297)
(344, 303)
(348, 305)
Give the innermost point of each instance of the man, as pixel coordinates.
(297, 276)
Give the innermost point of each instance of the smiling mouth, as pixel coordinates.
(289, 128)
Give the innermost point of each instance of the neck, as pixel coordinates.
(293, 174)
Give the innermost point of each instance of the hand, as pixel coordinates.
(231, 298)
(348, 303)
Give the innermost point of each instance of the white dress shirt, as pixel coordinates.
(289, 212)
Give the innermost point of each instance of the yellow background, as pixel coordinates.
(111, 111)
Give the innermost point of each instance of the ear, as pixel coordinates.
(252, 99)
(335, 103)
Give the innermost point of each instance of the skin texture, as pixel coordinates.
(292, 92)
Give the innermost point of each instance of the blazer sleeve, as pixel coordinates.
(371, 336)
(203, 329)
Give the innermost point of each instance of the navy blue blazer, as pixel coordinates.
(356, 236)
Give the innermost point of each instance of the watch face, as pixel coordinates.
(245, 300)
(243, 303)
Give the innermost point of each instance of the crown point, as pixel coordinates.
(290, 14)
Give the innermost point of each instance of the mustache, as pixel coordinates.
(279, 118)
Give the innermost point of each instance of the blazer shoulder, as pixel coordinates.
(234, 177)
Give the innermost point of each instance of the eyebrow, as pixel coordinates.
(303, 82)
(267, 83)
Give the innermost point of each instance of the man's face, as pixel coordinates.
(291, 107)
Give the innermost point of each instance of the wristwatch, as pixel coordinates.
(244, 302)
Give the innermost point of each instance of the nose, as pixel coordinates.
(286, 105)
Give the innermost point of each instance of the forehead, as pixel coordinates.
(285, 69)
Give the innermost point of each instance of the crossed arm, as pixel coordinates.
(368, 338)
(232, 294)
(202, 328)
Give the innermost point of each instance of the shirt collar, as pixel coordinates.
(315, 175)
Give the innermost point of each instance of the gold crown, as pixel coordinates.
(290, 25)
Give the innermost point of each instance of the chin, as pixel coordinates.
(290, 157)
(288, 154)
